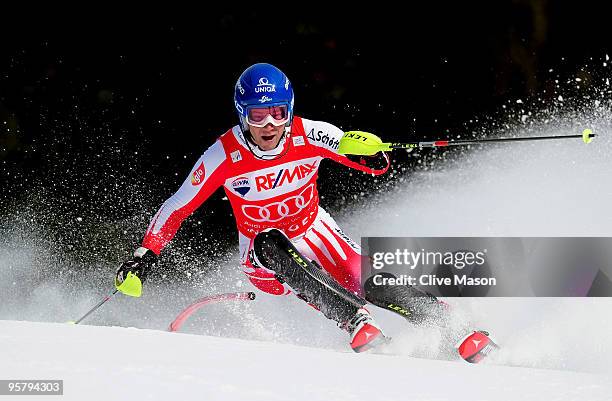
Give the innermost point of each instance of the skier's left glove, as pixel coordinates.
(132, 273)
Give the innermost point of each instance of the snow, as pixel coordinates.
(115, 363)
(539, 188)
(279, 349)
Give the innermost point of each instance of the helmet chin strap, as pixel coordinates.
(248, 139)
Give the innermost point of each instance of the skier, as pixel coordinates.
(268, 167)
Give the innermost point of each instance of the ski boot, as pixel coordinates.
(476, 346)
(364, 331)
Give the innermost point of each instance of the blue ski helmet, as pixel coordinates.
(262, 85)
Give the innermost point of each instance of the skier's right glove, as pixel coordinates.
(132, 273)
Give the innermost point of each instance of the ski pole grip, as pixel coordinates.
(361, 143)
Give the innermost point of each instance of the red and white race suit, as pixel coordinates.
(272, 193)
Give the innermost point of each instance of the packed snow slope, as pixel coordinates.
(277, 348)
(113, 363)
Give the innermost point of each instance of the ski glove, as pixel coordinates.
(132, 273)
(363, 144)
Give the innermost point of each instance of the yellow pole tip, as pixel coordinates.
(71, 322)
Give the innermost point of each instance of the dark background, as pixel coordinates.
(103, 114)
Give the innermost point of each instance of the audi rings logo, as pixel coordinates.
(277, 211)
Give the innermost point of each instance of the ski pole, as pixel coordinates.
(364, 143)
(587, 136)
(106, 298)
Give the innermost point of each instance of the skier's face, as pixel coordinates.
(268, 137)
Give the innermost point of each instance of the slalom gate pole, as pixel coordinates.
(103, 301)
(211, 299)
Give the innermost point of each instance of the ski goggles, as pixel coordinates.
(262, 116)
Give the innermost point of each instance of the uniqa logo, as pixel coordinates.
(264, 86)
(198, 175)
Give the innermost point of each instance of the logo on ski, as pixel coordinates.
(198, 175)
(297, 258)
(399, 309)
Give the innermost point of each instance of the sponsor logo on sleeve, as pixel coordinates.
(323, 138)
(198, 175)
(236, 156)
(241, 185)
